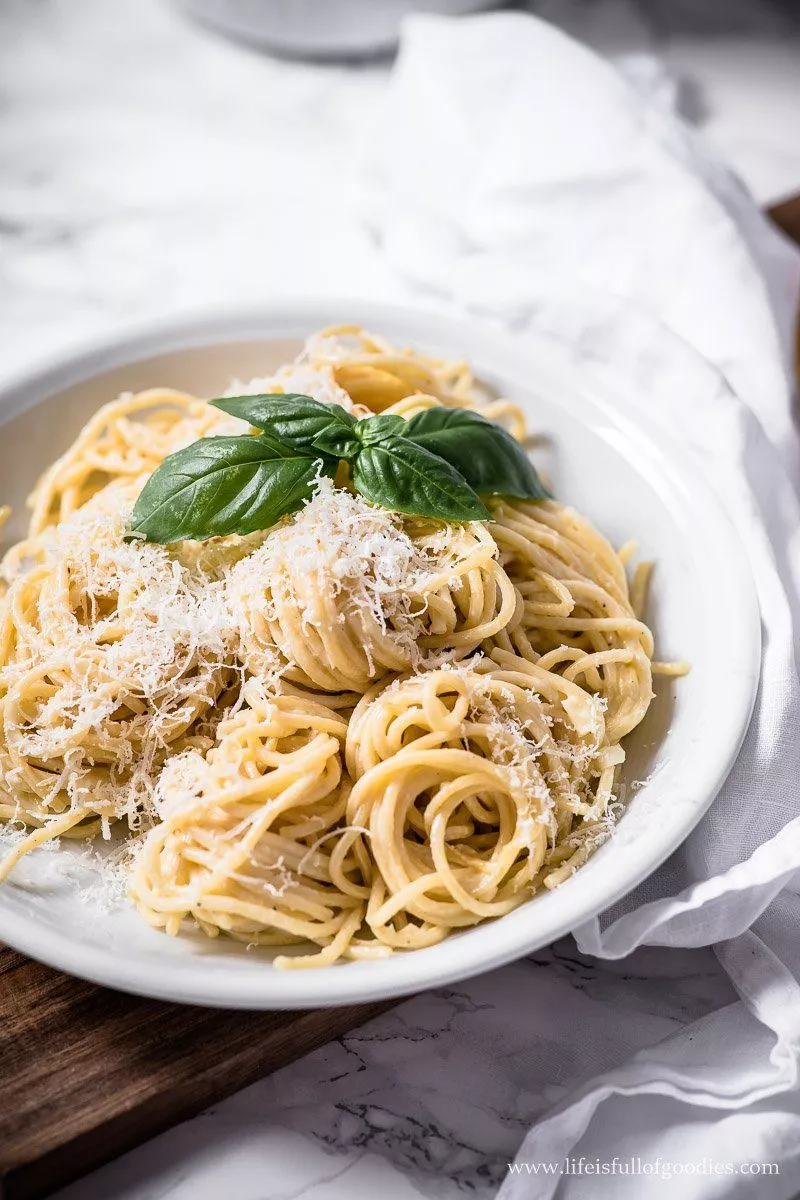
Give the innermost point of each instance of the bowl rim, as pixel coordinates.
(195, 981)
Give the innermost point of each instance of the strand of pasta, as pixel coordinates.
(356, 732)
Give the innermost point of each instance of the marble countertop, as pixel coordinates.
(429, 1100)
(149, 167)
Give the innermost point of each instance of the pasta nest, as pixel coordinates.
(348, 593)
(465, 781)
(113, 655)
(242, 843)
(576, 616)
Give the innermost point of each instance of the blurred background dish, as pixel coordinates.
(321, 28)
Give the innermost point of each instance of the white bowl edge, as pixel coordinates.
(198, 980)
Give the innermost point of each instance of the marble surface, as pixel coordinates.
(147, 167)
(431, 1099)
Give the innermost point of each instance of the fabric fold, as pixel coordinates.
(521, 177)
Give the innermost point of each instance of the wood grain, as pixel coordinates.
(786, 216)
(87, 1073)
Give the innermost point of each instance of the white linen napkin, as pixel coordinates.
(514, 173)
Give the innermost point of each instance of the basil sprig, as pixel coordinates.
(434, 465)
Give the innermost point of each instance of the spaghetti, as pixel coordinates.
(348, 735)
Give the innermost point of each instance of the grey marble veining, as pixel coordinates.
(447, 1084)
(444, 1087)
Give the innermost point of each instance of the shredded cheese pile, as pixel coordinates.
(347, 591)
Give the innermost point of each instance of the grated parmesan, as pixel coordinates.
(342, 553)
(306, 380)
(136, 648)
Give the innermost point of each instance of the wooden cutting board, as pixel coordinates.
(786, 215)
(87, 1073)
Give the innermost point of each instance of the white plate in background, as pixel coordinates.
(603, 459)
(322, 29)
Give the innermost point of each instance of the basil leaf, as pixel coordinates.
(221, 485)
(374, 429)
(396, 474)
(338, 441)
(489, 458)
(292, 419)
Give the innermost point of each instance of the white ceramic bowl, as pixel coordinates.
(321, 29)
(602, 459)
